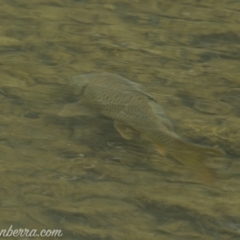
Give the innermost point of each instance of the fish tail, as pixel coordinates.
(192, 156)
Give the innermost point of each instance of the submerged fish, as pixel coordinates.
(135, 111)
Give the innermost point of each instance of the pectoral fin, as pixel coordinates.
(161, 149)
(125, 131)
(75, 109)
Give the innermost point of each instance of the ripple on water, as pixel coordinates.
(212, 107)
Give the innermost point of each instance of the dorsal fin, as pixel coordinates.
(159, 111)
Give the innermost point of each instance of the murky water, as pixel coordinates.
(78, 174)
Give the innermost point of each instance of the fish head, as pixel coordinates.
(79, 83)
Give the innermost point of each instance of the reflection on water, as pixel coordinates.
(78, 174)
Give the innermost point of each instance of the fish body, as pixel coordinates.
(134, 110)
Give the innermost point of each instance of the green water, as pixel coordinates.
(78, 174)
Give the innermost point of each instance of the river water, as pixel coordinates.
(78, 174)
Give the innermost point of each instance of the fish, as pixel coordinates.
(134, 111)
